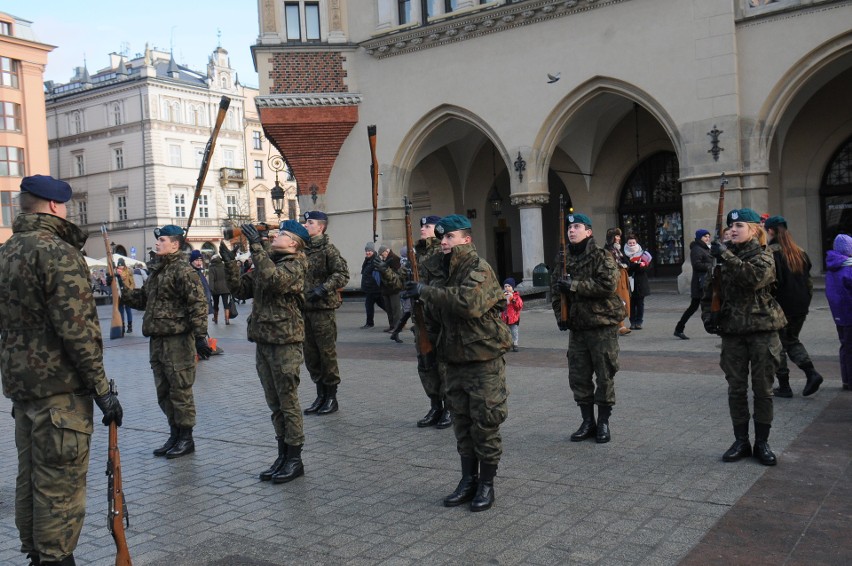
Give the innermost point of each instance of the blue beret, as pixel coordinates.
(452, 223)
(431, 219)
(168, 230)
(701, 233)
(315, 215)
(575, 218)
(774, 221)
(297, 229)
(743, 215)
(47, 188)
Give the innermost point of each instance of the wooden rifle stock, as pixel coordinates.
(716, 283)
(117, 506)
(374, 178)
(116, 329)
(205, 162)
(424, 346)
(563, 249)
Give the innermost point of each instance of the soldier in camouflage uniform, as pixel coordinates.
(471, 339)
(748, 322)
(594, 313)
(277, 285)
(327, 273)
(176, 321)
(51, 361)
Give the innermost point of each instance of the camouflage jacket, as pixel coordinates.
(429, 259)
(592, 302)
(277, 285)
(173, 299)
(748, 284)
(465, 305)
(50, 337)
(326, 267)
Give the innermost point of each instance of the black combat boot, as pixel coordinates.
(67, 561)
(434, 414)
(814, 380)
(173, 436)
(484, 498)
(266, 475)
(741, 448)
(446, 419)
(318, 401)
(783, 389)
(292, 467)
(330, 404)
(762, 451)
(587, 427)
(184, 445)
(129, 327)
(602, 435)
(34, 559)
(466, 489)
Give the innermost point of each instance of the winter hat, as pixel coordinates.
(843, 244)
(701, 233)
(369, 247)
(510, 282)
(195, 254)
(403, 252)
(382, 249)
(121, 262)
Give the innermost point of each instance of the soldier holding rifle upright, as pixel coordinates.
(52, 369)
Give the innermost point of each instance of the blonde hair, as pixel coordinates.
(757, 231)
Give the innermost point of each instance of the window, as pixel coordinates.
(291, 209)
(312, 21)
(77, 122)
(7, 209)
(180, 205)
(10, 120)
(117, 118)
(225, 82)
(404, 8)
(228, 157)
(5, 28)
(195, 116)
(231, 202)
(261, 209)
(203, 206)
(301, 28)
(11, 162)
(257, 140)
(79, 165)
(121, 206)
(118, 158)
(174, 155)
(258, 168)
(82, 212)
(8, 72)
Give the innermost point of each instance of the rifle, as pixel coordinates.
(374, 177)
(563, 248)
(116, 329)
(117, 513)
(716, 300)
(205, 162)
(424, 346)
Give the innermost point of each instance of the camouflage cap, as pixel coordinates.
(47, 188)
(452, 223)
(297, 229)
(743, 215)
(168, 230)
(576, 218)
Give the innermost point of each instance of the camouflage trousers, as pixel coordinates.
(53, 437)
(278, 369)
(791, 347)
(173, 361)
(476, 395)
(761, 351)
(431, 375)
(593, 352)
(321, 346)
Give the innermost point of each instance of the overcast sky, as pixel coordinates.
(92, 29)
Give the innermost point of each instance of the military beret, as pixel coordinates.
(774, 221)
(316, 215)
(431, 219)
(575, 218)
(743, 215)
(47, 188)
(297, 229)
(452, 223)
(168, 230)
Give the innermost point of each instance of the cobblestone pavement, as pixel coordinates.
(374, 482)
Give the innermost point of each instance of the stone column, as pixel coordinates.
(532, 243)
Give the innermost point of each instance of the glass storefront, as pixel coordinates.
(836, 197)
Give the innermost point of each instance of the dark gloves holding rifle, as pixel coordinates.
(202, 348)
(317, 293)
(564, 284)
(108, 403)
(717, 248)
(711, 324)
(413, 289)
(109, 279)
(379, 265)
(226, 254)
(562, 324)
(251, 233)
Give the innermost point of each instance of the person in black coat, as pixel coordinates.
(371, 285)
(702, 264)
(637, 266)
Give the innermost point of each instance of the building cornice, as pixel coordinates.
(305, 100)
(486, 21)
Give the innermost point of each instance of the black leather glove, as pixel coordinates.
(109, 279)
(563, 325)
(111, 408)
(413, 289)
(317, 293)
(202, 348)
(717, 248)
(564, 284)
(711, 324)
(428, 361)
(251, 233)
(226, 254)
(379, 265)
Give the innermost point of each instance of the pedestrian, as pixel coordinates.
(838, 291)
(405, 303)
(196, 260)
(276, 327)
(127, 283)
(594, 312)
(219, 288)
(511, 315)
(390, 284)
(471, 340)
(371, 282)
(702, 264)
(748, 322)
(327, 273)
(176, 321)
(638, 262)
(613, 246)
(52, 369)
(793, 291)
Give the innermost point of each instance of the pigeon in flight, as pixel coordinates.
(553, 78)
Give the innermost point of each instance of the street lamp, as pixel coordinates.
(276, 163)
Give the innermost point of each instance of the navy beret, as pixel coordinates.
(575, 218)
(431, 219)
(168, 230)
(452, 223)
(316, 215)
(297, 229)
(47, 188)
(774, 221)
(743, 215)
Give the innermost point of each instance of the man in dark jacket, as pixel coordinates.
(702, 263)
(219, 289)
(51, 361)
(387, 263)
(371, 285)
(594, 312)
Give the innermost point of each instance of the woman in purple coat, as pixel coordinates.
(838, 290)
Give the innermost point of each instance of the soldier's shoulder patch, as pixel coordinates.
(479, 275)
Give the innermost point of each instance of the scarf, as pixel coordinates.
(632, 251)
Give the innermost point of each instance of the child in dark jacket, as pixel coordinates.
(512, 314)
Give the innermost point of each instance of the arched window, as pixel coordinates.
(117, 119)
(836, 196)
(77, 122)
